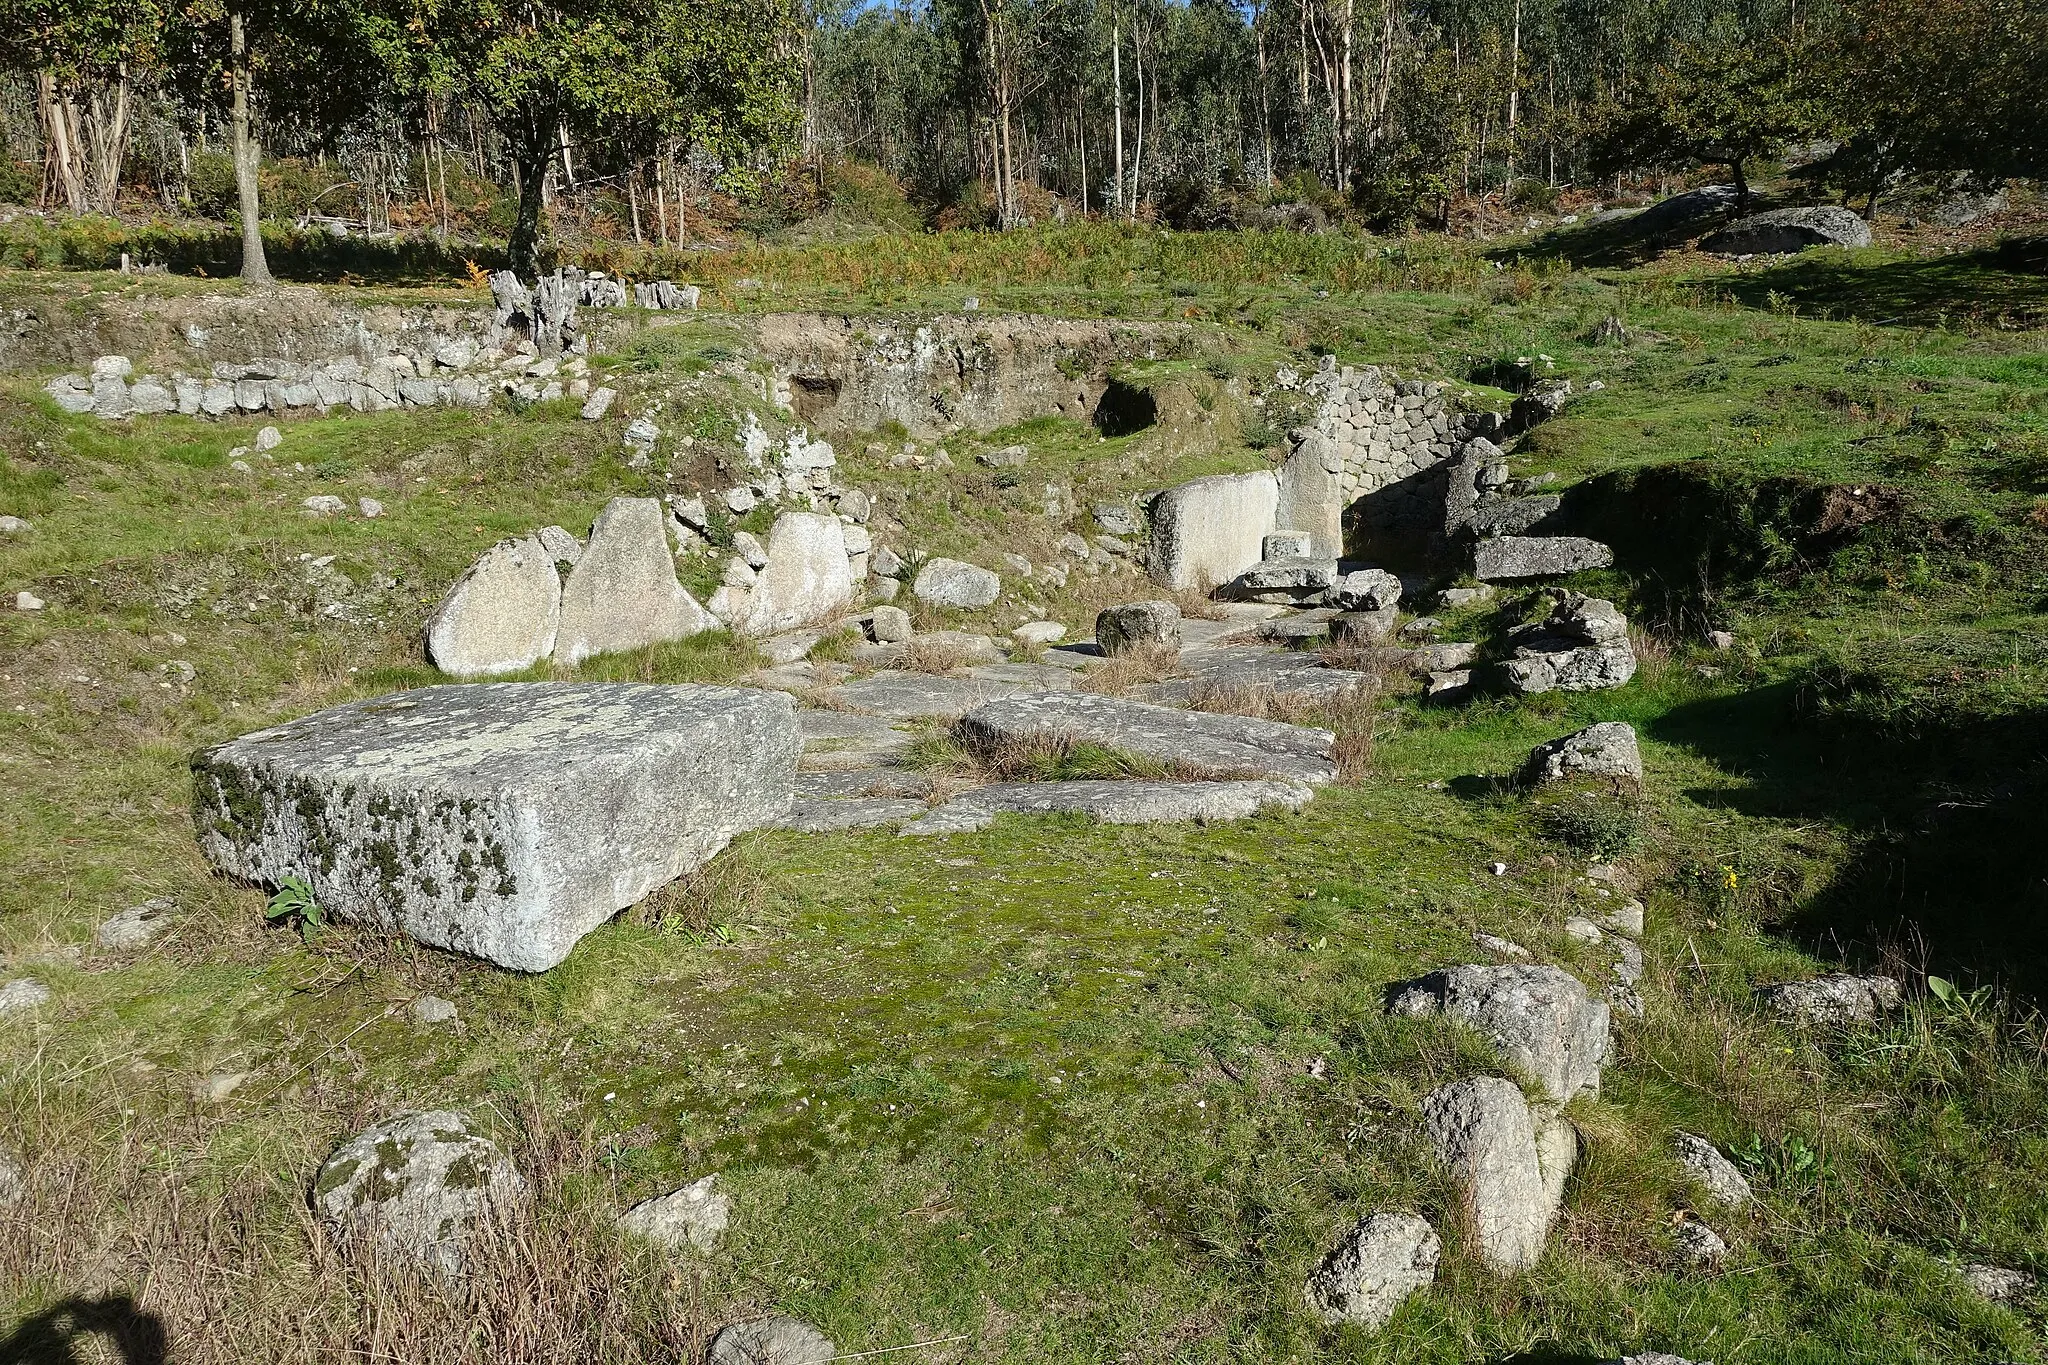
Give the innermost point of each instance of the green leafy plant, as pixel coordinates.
(1790, 1163)
(293, 903)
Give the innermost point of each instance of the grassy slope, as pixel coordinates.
(911, 1058)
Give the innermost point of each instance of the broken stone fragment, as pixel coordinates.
(1131, 625)
(501, 616)
(693, 1217)
(1607, 750)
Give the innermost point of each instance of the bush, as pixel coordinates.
(860, 192)
(211, 185)
(1596, 823)
(19, 182)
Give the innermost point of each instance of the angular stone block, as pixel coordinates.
(1211, 530)
(503, 820)
(502, 614)
(623, 592)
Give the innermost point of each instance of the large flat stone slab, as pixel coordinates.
(830, 814)
(1218, 745)
(1289, 673)
(1113, 802)
(503, 820)
(921, 696)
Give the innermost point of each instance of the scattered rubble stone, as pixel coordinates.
(693, 1217)
(1540, 1017)
(771, 1341)
(1997, 1284)
(1605, 750)
(952, 583)
(1834, 1000)
(1713, 1172)
(1373, 1268)
(432, 1009)
(1120, 629)
(421, 1185)
(22, 994)
(1699, 1246)
(1483, 1132)
(137, 926)
(1511, 557)
(1582, 646)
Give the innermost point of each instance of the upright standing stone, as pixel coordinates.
(1209, 531)
(623, 592)
(504, 820)
(502, 614)
(804, 577)
(1482, 1131)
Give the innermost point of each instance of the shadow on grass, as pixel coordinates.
(2004, 285)
(1947, 870)
(61, 1335)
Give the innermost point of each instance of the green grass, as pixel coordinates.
(1076, 1092)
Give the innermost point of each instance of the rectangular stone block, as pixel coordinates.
(502, 820)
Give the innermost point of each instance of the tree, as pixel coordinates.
(306, 63)
(718, 75)
(1723, 102)
(1939, 88)
(87, 57)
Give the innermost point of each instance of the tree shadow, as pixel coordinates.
(1946, 865)
(2005, 284)
(52, 1337)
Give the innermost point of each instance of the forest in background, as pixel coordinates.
(676, 121)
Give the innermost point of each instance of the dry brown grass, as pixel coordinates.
(1118, 674)
(923, 654)
(131, 1241)
(1353, 719)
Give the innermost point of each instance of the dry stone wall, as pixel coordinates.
(1370, 464)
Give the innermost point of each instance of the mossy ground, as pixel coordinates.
(1072, 1092)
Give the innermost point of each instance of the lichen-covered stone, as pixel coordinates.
(1607, 750)
(623, 592)
(1209, 531)
(1540, 1017)
(1131, 625)
(1377, 1264)
(695, 1216)
(421, 1186)
(503, 820)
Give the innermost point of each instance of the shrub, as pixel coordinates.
(1596, 823)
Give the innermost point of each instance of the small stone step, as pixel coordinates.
(1113, 802)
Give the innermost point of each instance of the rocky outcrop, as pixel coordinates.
(421, 1186)
(1782, 231)
(1117, 802)
(1607, 750)
(503, 820)
(1377, 1264)
(502, 614)
(1540, 1018)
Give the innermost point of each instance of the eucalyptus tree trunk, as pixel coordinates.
(255, 267)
